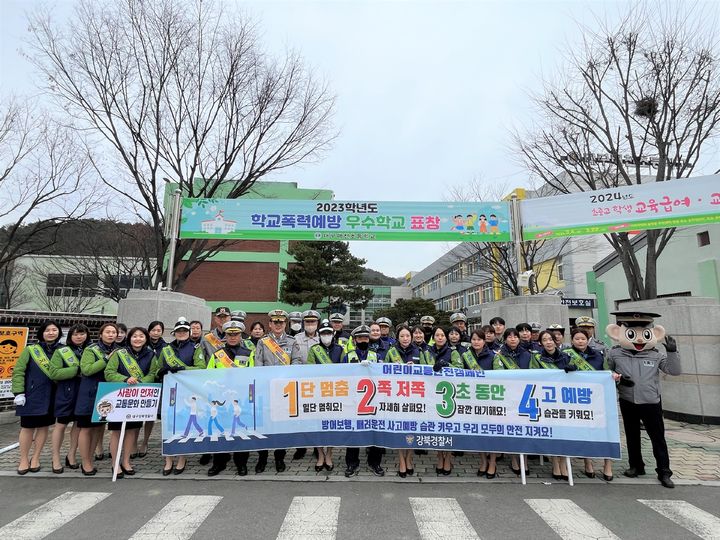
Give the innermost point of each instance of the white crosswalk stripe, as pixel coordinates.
(570, 521)
(692, 518)
(51, 516)
(179, 519)
(441, 519)
(311, 518)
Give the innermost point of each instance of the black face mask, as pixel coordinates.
(428, 333)
(362, 345)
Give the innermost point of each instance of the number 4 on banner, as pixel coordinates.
(529, 404)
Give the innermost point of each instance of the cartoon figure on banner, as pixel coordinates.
(237, 411)
(470, 223)
(459, 222)
(104, 408)
(494, 223)
(192, 420)
(483, 224)
(213, 421)
(8, 347)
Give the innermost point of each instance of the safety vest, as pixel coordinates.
(353, 357)
(393, 356)
(469, 359)
(68, 356)
(249, 344)
(502, 362)
(220, 359)
(321, 354)
(40, 358)
(131, 365)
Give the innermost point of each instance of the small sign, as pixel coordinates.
(578, 302)
(13, 340)
(122, 402)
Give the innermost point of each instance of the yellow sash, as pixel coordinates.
(277, 350)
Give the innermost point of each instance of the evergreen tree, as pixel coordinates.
(324, 272)
(411, 310)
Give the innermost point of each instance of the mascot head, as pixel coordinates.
(635, 330)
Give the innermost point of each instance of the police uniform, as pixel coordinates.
(386, 339)
(589, 322)
(215, 339)
(342, 336)
(295, 318)
(303, 341)
(322, 353)
(639, 393)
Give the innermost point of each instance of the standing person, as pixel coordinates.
(362, 354)
(498, 324)
(342, 336)
(178, 355)
(535, 329)
(65, 371)
(441, 355)
(585, 358)
(295, 318)
(134, 364)
(92, 369)
(121, 338)
(490, 338)
(376, 342)
(233, 355)
(551, 357)
(512, 356)
(427, 323)
(526, 341)
(385, 336)
(638, 363)
(303, 341)
(34, 392)
(557, 331)
(404, 351)
(196, 332)
(459, 321)
(418, 336)
(274, 350)
(257, 331)
(588, 324)
(157, 344)
(454, 341)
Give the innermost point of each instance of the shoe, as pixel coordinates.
(177, 471)
(119, 476)
(438, 470)
(410, 472)
(59, 470)
(329, 467)
(299, 453)
(402, 474)
(99, 457)
(490, 475)
(260, 467)
(564, 477)
(351, 470)
(215, 470)
(632, 472)
(134, 455)
(142, 454)
(129, 472)
(446, 472)
(590, 474)
(242, 470)
(91, 472)
(69, 465)
(280, 465)
(666, 482)
(22, 472)
(35, 469)
(167, 472)
(558, 476)
(205, 459)
(517, 471)
(482, 473)
(420, 452)
(319, 468)
(377, 470)
(608, 477)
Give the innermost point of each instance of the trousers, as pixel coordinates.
(374, 456)
(651, 416)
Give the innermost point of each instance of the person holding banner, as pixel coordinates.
(377, 344)
(454, 337)
(274, 350)
(526, 341)
(179, 355)
(34, 392)
(583, 357)
(157, 343)
(328, 351)
(418, 335)
(65, 371)
(385, 324)
(133, 364)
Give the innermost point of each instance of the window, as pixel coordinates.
(560, 269)
(703, 239)
(474, 296)
(83, 285)
(486, 292)
(123, 283)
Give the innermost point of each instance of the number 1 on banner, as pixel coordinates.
(291, 392)
(529, 404)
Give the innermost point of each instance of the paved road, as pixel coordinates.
(77, 508)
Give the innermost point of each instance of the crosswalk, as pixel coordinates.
(318, 518)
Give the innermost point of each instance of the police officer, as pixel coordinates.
(427, 322)
(588, 324)
(535, 329)
(558, 333)
(459, 321)
(385, 336)
(307, 338)
(327, 351)
(274, 349)
(361, 354)
(234, 354)
(342, 336)
(239, 316)
(295, 323)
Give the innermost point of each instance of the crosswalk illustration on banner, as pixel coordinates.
(317, 518)
(243, 434)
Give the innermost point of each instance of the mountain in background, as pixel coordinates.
(373, 277)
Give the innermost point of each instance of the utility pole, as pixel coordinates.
(174, 228)
(517, 234)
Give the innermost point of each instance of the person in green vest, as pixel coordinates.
(65, 371)
(134, 364)
(257, 331)
(34, 392)
(342, 336)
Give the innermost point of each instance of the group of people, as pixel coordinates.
(56, 383)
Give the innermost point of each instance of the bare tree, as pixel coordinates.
(181, 90)
(635, 103)
(13, 292)
(58, 284)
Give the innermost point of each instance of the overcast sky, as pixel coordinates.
(427, 91)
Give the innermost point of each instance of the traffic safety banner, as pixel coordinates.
(13, 340)
(122, 402)
(402, 406)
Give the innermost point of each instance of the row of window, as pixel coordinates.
(88, 285)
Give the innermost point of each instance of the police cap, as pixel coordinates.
(325, 327)
(455, 317)
(634, 318)
(361, 331)
(181, 324)
(233, 327)
(310, 314)
(427, 319)
(222, 310)
(278, 315)
(294, 315)
(585, 321)
(384, 321)
(337, 317)
(535, 327)
(238, 315)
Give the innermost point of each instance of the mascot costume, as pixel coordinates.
(638, 362)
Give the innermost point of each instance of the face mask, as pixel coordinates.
(296, 327)
(428, 334)
(362, 345)
(310, 328)
(326, 339)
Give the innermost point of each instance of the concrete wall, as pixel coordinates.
(141, 307)
(516, 309)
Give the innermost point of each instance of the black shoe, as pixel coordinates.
(438, 470)
(280, 465)
(242, 470)
(490, 476)
(91, 472)
(260, 467)
(410, 472)
(402, 474)
(446, 472)
(73, 466)
(665, 481)
(564, 477)
(319, 468)
(59, 470)
(351, 470)
(299, 453)
(632, 472)
(516, 471)
(590, 474)
(177, 471)
(608, 477)
(23, 472)
(99, 457)
(167, 472)
(129, 472)
(205, 459)
(482, 473)
(557, 476)
(420, 452)
(377, 470)
(215, 470)
(329, 467)
(35, 469)
(119, 476)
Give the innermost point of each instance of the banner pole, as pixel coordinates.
(522, 469)
(568, 462)
(116, 465)
(173, 238)
(517, 232)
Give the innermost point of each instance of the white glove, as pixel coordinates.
(365, 362)
(19, 400)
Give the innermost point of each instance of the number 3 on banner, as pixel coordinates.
(366, 387)
(291, 392)
(528, 404)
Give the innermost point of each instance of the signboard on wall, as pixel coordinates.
(13, 340)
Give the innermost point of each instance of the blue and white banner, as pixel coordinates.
(547, 412)
(122, 402)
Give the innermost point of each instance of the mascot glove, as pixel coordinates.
(365, 362)
(626, 381)
(670, 344)
(439, 365)
(19, 400)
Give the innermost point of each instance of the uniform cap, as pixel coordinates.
(278, 315)
(556, 326)
(458, 317)
(325, 327)
(233, 327)
(384, 321)
(222, 310)
(361, 331)
(238, 315)
(427, 319)
(293, 316)
(181, 324)
(310, 314)
(337, 317)
(535, 327)
(585, 321)
(634, 318)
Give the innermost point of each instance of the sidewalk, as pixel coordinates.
(694, 458)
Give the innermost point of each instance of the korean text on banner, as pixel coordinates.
(655, 205)
(337, 220)
(13, 341)
(392, 405)
(121, 402)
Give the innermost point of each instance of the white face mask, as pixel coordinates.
(296, 326)
(326, 339)
(310, 328)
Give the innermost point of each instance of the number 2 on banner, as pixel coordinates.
(367, 387)
(528, 404)
(291, 392)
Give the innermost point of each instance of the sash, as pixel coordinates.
(249, 345)
(506, 362)
(130, 364)
(213, 340)
(579, 361)
(95, 348)
(276, 350)
(223, 358)
(40, 358)
(69, 357)
(469, 359)
(353, 357)
(543, 364)
(321, 354)
(171, 358)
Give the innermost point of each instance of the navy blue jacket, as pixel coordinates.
(144, 359)
(559, 358)
(520, 356)
(184, 351)
(441, 356)
(39, 389)
(156, 347)
(593, 357)
(380, 347)
(89, 384)
(484, 359)
(67, 390)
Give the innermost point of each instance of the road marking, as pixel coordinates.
(311, 518)
(52, 515)
(570, 521)
(179, 519)
(441, 519)
(200, 438)
(688, 516)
